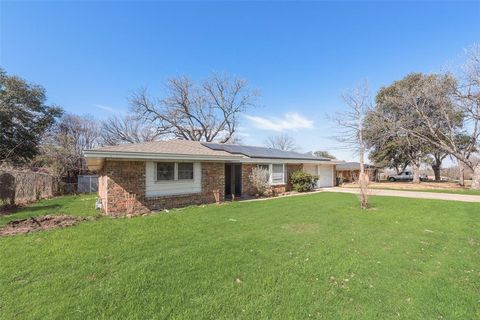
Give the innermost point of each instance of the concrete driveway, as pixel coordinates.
(409, 194)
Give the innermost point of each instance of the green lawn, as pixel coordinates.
(71, 205)
(316, 256)
(452, 191)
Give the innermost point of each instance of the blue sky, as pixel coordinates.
(301, 55)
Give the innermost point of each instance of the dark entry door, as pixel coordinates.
(233, 179)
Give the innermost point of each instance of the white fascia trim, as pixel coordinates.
(198, 157)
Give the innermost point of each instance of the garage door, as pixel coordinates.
(326, 176)
(324, 173)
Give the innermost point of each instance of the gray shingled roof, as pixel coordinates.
(352, 166)
(170, 147)
(182, 147)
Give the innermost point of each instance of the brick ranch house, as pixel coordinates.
(137, 178)
(350, 171)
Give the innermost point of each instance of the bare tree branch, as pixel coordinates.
(350, 122)
(205, 112)
(127, 129)
(281, 142)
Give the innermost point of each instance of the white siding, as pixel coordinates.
(311, 168)
(168, 188)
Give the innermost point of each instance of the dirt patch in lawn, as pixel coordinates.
(38, 223)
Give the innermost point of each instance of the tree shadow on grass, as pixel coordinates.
(9, 210)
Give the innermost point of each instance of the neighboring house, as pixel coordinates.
(136, 178)
(349, 171)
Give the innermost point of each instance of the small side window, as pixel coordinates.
(278, 173)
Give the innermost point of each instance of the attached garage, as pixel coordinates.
(325, 173)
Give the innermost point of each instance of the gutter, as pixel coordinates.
(154, 156)
(93, 154)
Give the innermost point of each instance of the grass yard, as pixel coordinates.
(437, 187)
(451, 191)
(316, 256)
(71, 205)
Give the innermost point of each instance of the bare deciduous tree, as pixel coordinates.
(127, 129)
(201, 112)
(281, 142)
(351, 134)
(62, 147)
(234, 139)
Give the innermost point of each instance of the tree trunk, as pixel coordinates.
(461, 177)
(437, 165)
(416, 173)
(363, 179)
(436, 172)
(476, 177)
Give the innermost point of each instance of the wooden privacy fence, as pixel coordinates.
(21, 187)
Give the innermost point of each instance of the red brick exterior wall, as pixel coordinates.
(119, 182)
(249, 190)
(122, 188)
(247, 187)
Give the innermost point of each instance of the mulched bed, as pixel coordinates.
(38, 224)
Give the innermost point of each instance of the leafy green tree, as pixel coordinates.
(395, 122)
(324, 154)
(389, 154)
(24, 117)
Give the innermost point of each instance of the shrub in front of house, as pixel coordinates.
(303, 181)
(259, 179)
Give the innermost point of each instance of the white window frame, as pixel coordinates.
(270, 173)
(175, 172)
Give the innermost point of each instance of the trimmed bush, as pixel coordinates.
(302, 181)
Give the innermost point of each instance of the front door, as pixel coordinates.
(233, 179)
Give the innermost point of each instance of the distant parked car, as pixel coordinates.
(405, 176)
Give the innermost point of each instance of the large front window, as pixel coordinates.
(165, 171)
(168, 171)
(276, 172)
